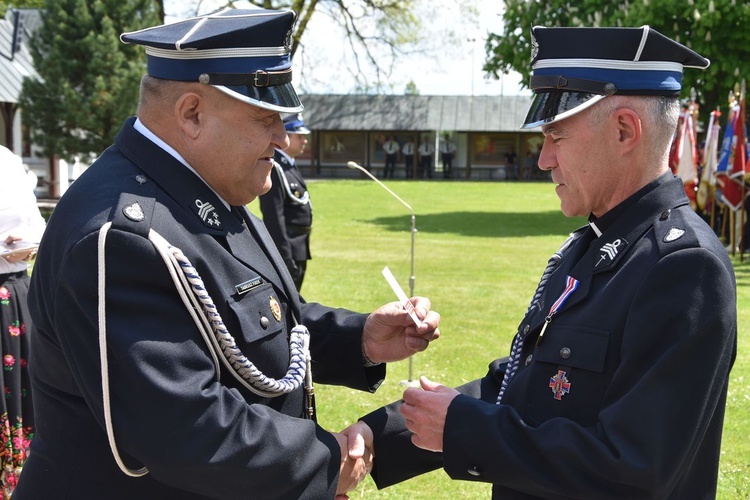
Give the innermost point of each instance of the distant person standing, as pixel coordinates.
(20, 222)
(286, 207)
(426, 150)
(408, 151)
(529, 163)
(390, 147)
(511, 164)
(447, 152)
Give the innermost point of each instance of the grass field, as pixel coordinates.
(480, 249)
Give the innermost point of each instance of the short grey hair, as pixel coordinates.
(660, 115)
(158, 92)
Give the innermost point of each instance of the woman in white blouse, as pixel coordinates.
(21, 225)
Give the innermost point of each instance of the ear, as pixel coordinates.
(189, 113)
(629, 129)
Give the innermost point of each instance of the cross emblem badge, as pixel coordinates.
(559, 384)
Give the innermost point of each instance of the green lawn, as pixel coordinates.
(480, 249)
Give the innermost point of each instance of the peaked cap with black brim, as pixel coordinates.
(573, 68)
(245, 53)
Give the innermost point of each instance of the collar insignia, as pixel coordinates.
(609, 252)
(208, 214)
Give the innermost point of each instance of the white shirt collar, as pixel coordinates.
(596, 229)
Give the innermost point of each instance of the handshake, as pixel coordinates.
(391, 335)
(424, 410)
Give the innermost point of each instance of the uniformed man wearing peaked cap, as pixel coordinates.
(286, 207)
(244, 53)
(616, 380)
(171, 354)
(574, 68)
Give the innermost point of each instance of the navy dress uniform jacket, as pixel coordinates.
(199, 436)
(646, 343)
(288, 221)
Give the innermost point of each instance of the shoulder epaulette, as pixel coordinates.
(135, 208)
(672, 232)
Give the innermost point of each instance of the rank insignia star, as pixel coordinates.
(559, 384)
(207, 213)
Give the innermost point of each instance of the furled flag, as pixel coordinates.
(707, 184)
(683, 158)
(733, 164)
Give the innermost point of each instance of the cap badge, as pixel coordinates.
(673, 234)
(559, 384)
(534, 47)
(288, 41)
(275, 308)
(207, 213)
(134, 212)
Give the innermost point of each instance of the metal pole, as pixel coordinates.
(410, 381)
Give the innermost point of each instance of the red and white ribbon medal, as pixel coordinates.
(559, 384)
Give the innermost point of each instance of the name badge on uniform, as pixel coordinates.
(248, 285)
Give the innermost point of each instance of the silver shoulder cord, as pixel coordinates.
(304, 200)
(211, 327)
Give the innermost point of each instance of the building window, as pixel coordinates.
(341, 147)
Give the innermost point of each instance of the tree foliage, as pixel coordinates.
(89, 79)
(375, 32)
(716, 29)
(19, 4)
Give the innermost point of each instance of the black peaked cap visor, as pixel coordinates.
(282, 98)
(547, 107)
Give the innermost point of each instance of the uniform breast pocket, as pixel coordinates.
(256, 314)
(567, 376)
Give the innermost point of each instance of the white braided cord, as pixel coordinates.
(207, 319)
(241, 367)
(103, 358)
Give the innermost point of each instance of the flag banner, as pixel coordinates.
(707, 185)
(684, 155)
(732, 166)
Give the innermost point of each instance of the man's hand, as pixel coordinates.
(356, 458)
(360, 440)
(391, 335)
(425, 411)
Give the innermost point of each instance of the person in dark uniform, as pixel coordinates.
(171, 353)
(447, 152)
(426, 150)
(286, 207)
(616, 382)
(408, 151)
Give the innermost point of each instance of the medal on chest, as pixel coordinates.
(559, 384)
